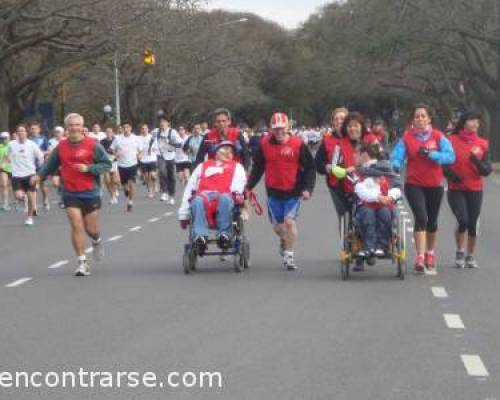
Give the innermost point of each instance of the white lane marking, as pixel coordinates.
(474, 365)
(453, 321)
(154, 220)
(87, 251)
(19, 282)
(115, 238)
(439, 292)
(168, 214)
(59, 264)
(135, 229)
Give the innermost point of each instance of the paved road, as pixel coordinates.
(272, 334)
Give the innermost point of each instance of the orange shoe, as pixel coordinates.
(429, 261)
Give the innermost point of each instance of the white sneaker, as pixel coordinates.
(6, 207)
(164, 197)
(29, 221)
(151, 195)
(289, 262)
(46, 207)
(171, 201)
(83, 269)
(98, 250)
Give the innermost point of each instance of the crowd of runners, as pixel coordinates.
(366, 172)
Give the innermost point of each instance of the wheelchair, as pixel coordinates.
(239, 249)
(351, 243)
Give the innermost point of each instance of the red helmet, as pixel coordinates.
(279, 120)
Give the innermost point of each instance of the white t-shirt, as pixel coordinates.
(127, 150)
(98, 136)
(146, 157)
(24, 158)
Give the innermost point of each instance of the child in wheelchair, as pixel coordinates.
(214, 189)
(377, 188)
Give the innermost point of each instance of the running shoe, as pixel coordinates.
(429, 262)
(224, 241)
(380, 253)
(460, 259)
(371, 259)
(46, 206)
(419, 264)
(83, 269)
(171, 201)
(289, 262)
(360, 265)
(200, 242)
(129, 206)
(29, 221)
(470, 262)
(164, 197)
(98, 250)
(6, 207)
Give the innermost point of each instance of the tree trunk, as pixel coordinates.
(4, 114)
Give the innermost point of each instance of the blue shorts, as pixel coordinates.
(281, 209)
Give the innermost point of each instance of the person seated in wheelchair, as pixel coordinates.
(377, 188)
(213, 190)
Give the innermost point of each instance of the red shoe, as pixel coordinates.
(429, 261)
(419, 264)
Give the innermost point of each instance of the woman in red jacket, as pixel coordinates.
(465, 183)
(424, 149)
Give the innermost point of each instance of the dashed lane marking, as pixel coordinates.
(474, 365)
(453, 321)
(439, 292)
(168, 214)
(59, 264)
(154, 220)
(135, 229)
(19, 282)
(115, 238)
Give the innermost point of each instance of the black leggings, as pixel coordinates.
(425, 204)
(467, 207)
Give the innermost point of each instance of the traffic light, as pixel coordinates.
(149, 57)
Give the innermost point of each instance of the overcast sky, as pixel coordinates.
(289, 13)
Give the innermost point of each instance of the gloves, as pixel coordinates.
(184, 223)
(238, 198)
(339, 172)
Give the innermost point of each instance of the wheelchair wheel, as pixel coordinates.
(346, 252)
(238, 263)
(246, 254)
(186, 263)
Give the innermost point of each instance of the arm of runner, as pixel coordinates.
(258, 168)
(51, 165)
(321, 160)
(243, 151)
(202, 152)
(101, 164)
(309, 170)
(445, 155)
(398, 156)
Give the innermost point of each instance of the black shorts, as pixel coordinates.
(127, 174)
(148, 167)
(23, 184)
(179, 167)
(86, 206)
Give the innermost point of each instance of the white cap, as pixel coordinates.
(5, 135)
(59, 129)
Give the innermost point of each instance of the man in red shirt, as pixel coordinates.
(290, 176)
(223, 132)
(80, 160)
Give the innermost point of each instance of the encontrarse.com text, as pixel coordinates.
(110, 380)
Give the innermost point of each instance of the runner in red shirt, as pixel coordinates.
(465, 184)
(81, 161)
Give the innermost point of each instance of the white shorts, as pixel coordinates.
(114, 166)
